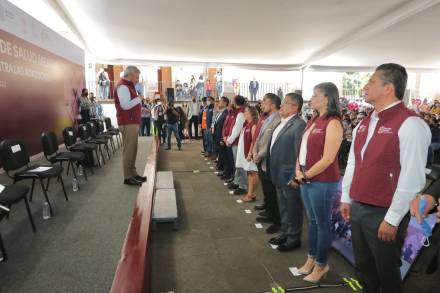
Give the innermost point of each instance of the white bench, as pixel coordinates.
(164, 180)
(165, 205)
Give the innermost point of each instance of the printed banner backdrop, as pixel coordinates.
(41, 74)
(342, 242)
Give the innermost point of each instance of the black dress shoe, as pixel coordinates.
(289, 246)
(232, 186)
(262, 214)
(167, 149)
(220, 174)
(260, 207)
(272, 229)
(240, 191)
(132, 181)
(230, 180)
(140, 178)
(263, 220)
(277, 240)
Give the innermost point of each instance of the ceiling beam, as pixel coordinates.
(381, 23)
(63, 13)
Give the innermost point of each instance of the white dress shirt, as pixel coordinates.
(194, 108)
(125, 98)
(236, 130)
(414, 140)
(277, 130)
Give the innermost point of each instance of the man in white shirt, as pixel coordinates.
(128, 113)
(193, 115)
(385, 171)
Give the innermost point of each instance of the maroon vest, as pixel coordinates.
(132, 116)
(228, 121)
(376, 175)
(235, 114)
(247, 137)
(315, 151)
(260, 122)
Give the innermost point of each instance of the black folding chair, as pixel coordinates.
(113, 130)
(85, 136)
(87, 148)
(15, 160)
(50, 149)
(101, 133)
(11, 195)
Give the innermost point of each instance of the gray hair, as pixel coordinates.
(131, 69)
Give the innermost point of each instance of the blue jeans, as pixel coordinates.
(208, 140)
(317, 198)
(435, 146)
(173, 128)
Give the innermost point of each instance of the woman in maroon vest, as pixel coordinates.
(244, 155)
(317, 170)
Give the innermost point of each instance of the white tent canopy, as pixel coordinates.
(277, 34)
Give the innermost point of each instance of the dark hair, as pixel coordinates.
(396, 75)
(226, 100)
(296, 98)
(253, 112)
(211, 98)
(84, 91)
(330, 90)
(239, 100)
(204, 99)
(274, 99)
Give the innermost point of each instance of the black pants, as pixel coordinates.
(270, 197)
(145, 126)
(160, 131)
(229, 163)
(221, 150)
(377, 262)
(194, 121)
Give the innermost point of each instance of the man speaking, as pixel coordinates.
(128, 113)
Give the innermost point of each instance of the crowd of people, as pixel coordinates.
(298, 160)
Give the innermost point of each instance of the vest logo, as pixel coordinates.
(385, 130)
(362, 128)
(318, 131)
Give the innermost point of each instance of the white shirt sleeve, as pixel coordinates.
(414, 138)
(125, 98)
(349, 171)
(237, 128)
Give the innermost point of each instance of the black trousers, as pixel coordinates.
(377, 262)
(270, 197)
(221, 149)
(194, 121)
(144, 130)
(160, 131)
(229, 163)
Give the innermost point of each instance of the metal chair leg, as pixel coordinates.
(97, 158)
(3, 250)
(68, 167)
(32, 190)
(47, 184)
(64, 189)
(45, 196)
(31, 219)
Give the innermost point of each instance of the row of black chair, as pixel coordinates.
(15, 160)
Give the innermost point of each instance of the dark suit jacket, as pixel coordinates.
(218, 126)
(281, 161)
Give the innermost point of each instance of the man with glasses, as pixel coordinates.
(281, 161)
(128, 113)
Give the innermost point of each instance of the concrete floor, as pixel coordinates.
(77, 250)
(217, 248)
